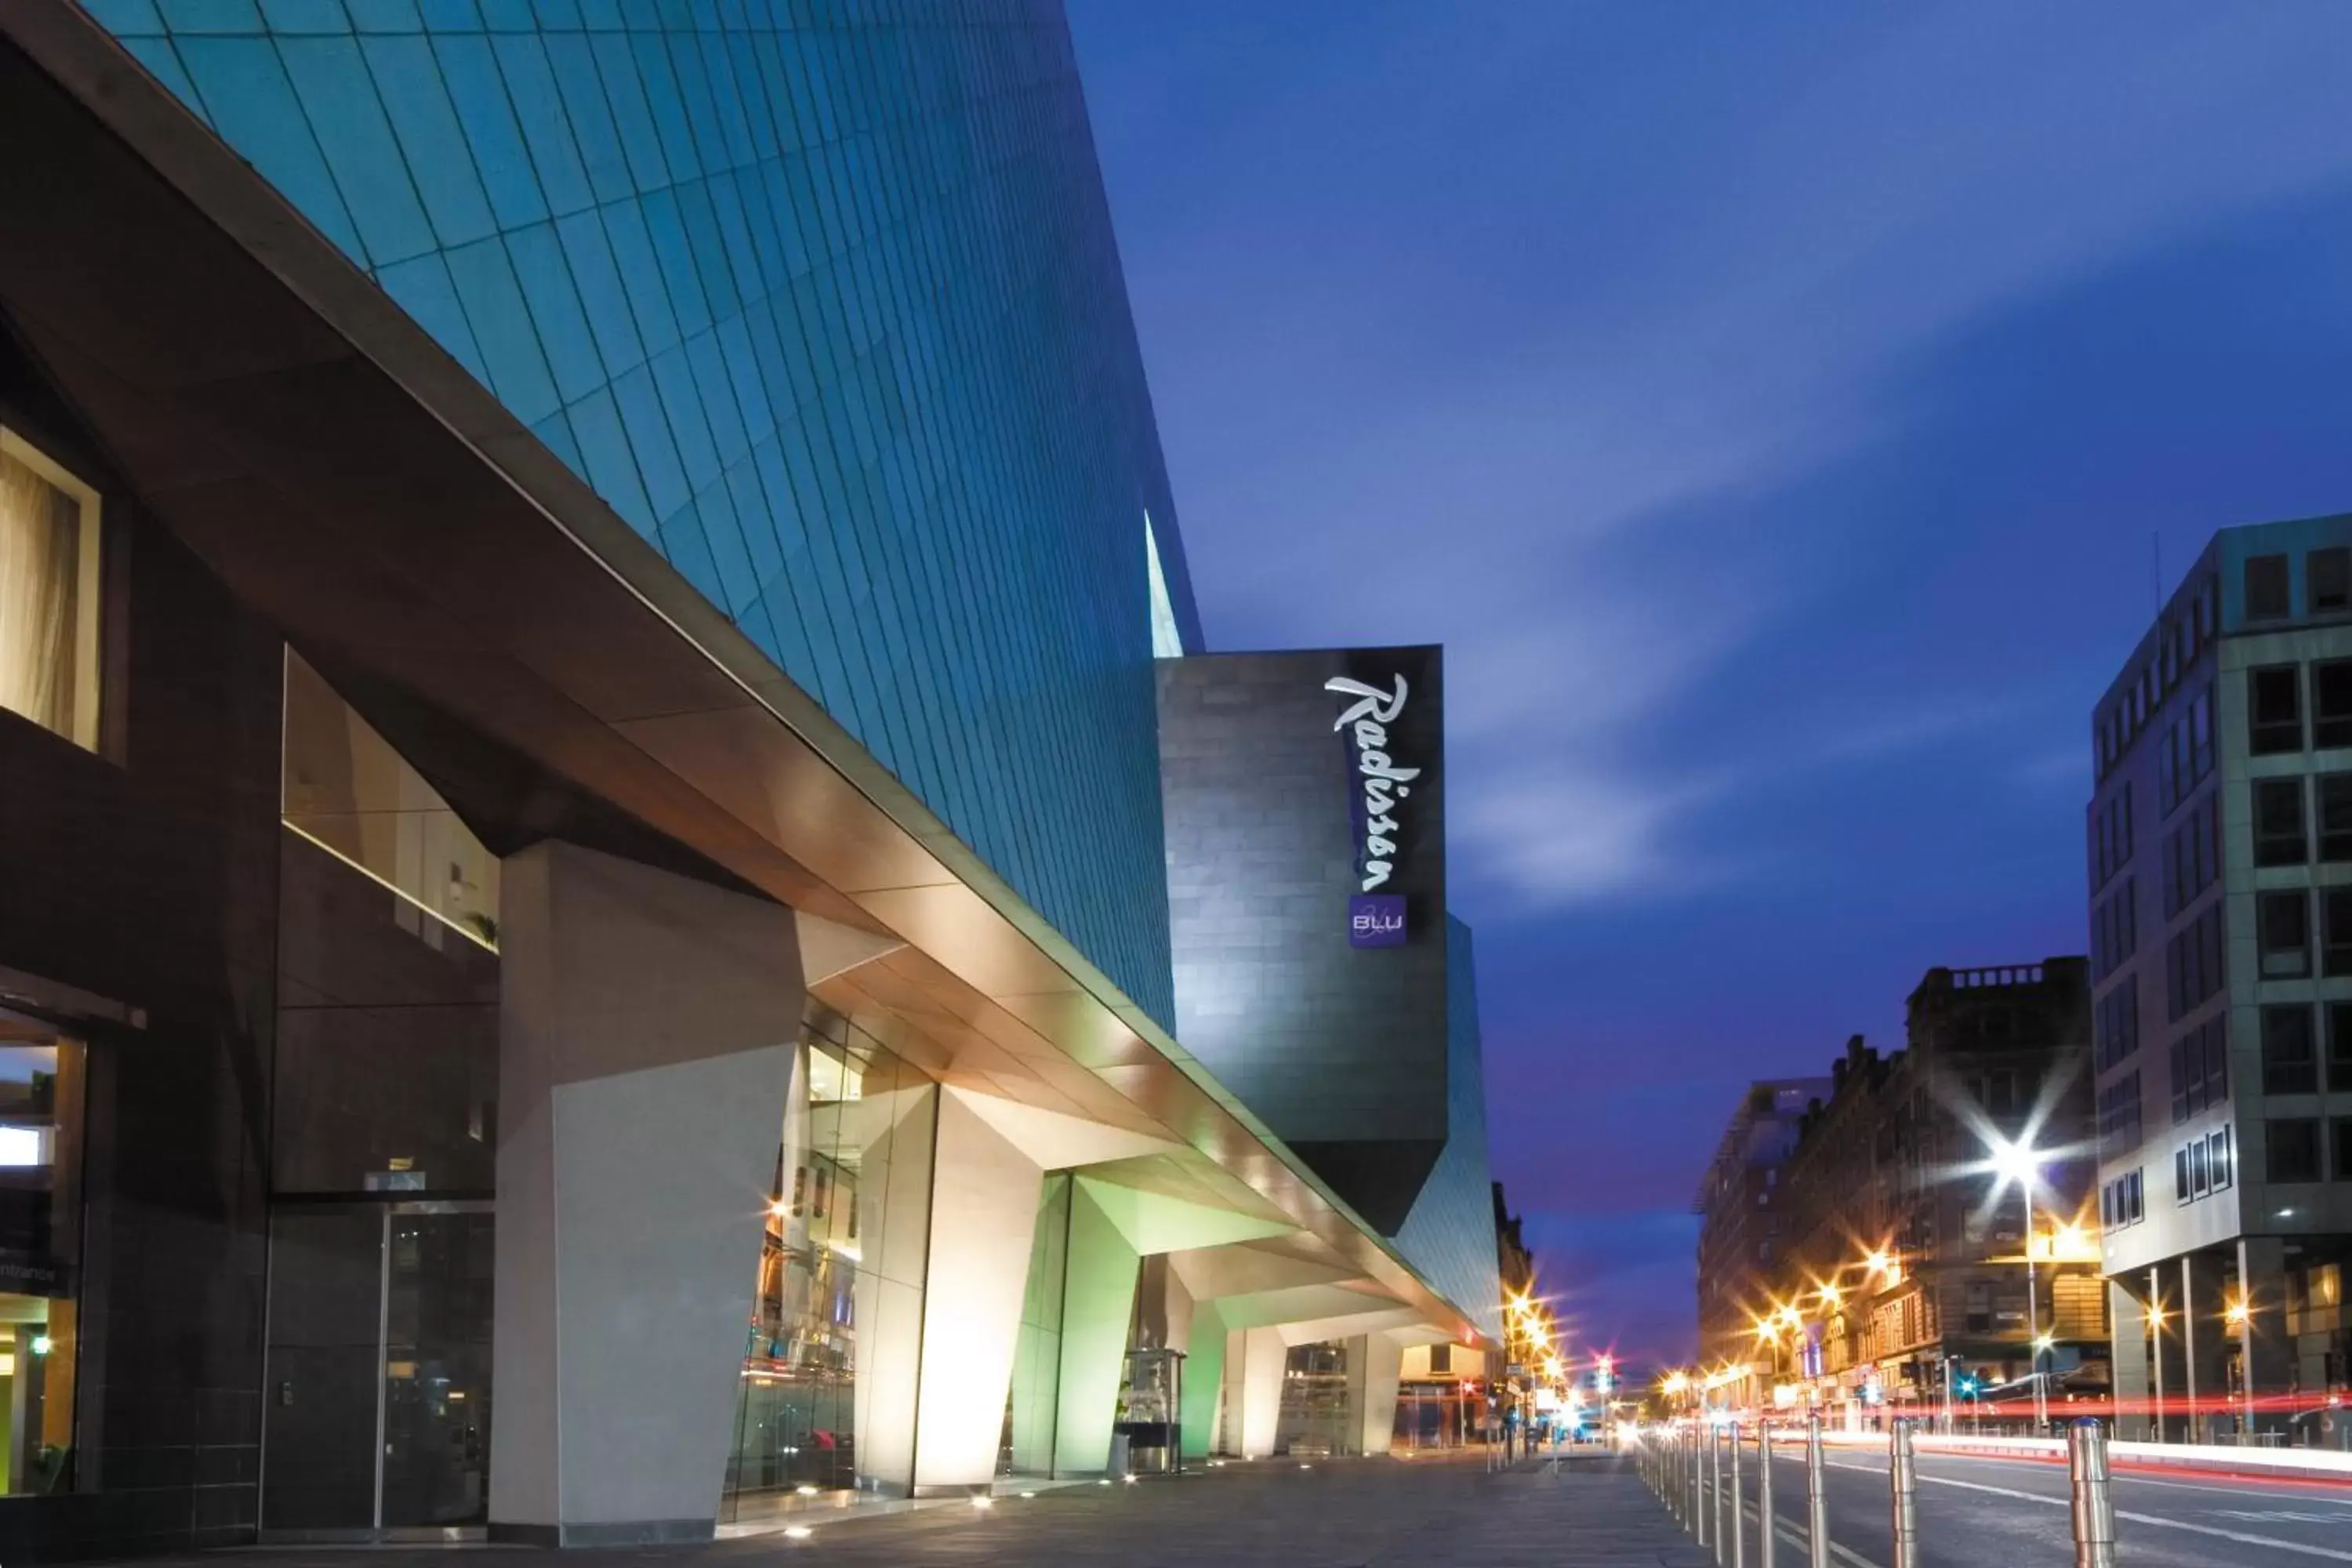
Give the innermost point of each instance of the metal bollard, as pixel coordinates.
(1817, 1498)
(1738, 1514)
(1902, 1483)
(1766, 1544)
(1701, 1442)
(1715, 1489)
(2093, 1505)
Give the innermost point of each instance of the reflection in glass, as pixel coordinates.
(40, 1207)
(1315, 1403)
(347, 791)
(827, 1401)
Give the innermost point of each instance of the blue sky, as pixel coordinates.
(1780, 413)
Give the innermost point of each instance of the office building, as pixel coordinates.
(2221, 872)
(586, 947)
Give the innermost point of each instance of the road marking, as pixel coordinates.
(1796, 1538)
(2281, 1516)
(2160, 1521)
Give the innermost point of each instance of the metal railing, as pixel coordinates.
(1685, 1465)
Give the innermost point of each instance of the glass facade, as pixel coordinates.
(829, 310)
(827, 1396)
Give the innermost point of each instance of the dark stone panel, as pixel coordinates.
(1341, 1050)
(147, 874)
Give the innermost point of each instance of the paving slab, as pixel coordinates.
(1429, 1512)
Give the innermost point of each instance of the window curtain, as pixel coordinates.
(40, 541)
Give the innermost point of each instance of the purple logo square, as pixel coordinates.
(1376, 920)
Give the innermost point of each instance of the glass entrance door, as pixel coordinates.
(378, 1381)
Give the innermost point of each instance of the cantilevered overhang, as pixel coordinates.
(275, 410)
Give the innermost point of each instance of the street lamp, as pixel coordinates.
(2022, 1163)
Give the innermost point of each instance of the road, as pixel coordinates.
(2012, 1513)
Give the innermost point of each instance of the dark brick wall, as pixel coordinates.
(1341, 1051)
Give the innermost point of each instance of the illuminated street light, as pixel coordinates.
(2238, 1314)
(2020, 1163)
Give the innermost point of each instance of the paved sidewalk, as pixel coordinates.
(1429, 1512)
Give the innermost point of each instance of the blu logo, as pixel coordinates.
(1376, 920)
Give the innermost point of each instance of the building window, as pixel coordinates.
(2267, 588)
(2180, 1192)
(2218, 1158)
(2115, 931)
(2278, 838)
(2111, 837)
(2290, 1064)
(49, 593)
(2339, 1045)
(2114, 1025)
(2334, 817)
(2186, 755)
(42, 1081)
(2192, 964)
(2293, 1149)
(2327, 579)
(2336, 908)
(2200, 1070)
(2282, 931)
(2200, 1170)
(2120, 1118)
(2344, 1148)
(2331, 703)
(2274, 710)
(2192, 853)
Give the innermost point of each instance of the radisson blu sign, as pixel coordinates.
(1377, 807)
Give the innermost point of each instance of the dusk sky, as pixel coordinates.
(1779, 413)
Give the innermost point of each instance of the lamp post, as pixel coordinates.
(2022, 1163)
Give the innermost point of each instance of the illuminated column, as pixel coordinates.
(2204, 1345)
(984, 1197)
(1254, 1364)
(646, 1027)
(2266, 1348)
(1097, 1309)
(2128, 1358)
(1383, 1362)
(1204, 1376)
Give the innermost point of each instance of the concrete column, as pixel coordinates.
(2158, 1328)
(1383, 1363)
(2204, 1347)
(1097, 1309)
(646, 1030)
(895, 1130)
(985, 1196)
(1204, 1376)
(1254, 1364)
(2128, 1358)
(2267, 1355)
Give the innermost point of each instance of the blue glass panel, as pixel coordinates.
(640, 143)
(393, 16)
(594, 130)
(211, 15)
(126, 19)
(649, 438)
(339, 102)
(612, 467)
(667, 229)
(641, 275)
(674, 375)
(478, 95)
(510, 349)
(555, 310)
(408, 79)
(598, 279)
(555, 430)
(539, 105)
(305, 17)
